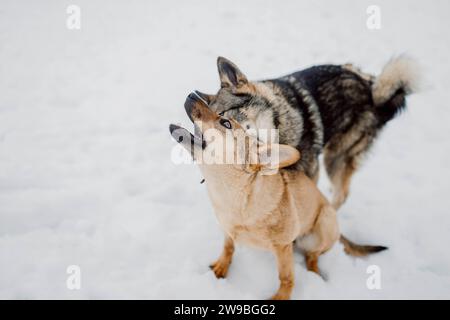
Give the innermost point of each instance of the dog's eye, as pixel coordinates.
(225, 123)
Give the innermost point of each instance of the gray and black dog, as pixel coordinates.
(336, 109)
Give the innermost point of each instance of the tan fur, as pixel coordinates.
(341, 182)
(285, 261)
(268, 211)
(260, 203)
(221, 265)
(312, 260)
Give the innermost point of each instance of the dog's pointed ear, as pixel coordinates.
(229, 73)
(276, 156)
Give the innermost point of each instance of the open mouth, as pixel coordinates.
(182, 135)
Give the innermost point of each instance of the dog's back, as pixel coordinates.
(347, 110)
(334, 109)
(340, 94)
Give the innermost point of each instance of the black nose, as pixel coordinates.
(190, 102)
(189, 105)
(202, 96)
(194, 97)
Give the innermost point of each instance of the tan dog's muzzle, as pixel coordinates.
(197, 109)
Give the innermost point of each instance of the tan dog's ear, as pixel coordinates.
(230, 75)
(276, 156)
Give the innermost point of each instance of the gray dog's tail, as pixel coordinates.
(358, 250)
(400, 77)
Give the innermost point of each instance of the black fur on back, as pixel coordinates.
(335, 108)
(342, 96)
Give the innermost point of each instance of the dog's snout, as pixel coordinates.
(189, 106)
(195, 97)
(203, 96)
(191, 101)
(197, 109)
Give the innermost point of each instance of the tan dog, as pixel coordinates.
(257, 199)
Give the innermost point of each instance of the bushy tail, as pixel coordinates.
(400, 77)
(357, 250)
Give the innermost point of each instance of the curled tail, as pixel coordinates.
(357, 250)
(399, 78)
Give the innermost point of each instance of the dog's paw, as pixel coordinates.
(220, 268)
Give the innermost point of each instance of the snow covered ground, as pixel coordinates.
(86, 176)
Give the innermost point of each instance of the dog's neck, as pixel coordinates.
(240, 194)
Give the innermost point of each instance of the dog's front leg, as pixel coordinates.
(221, 265)
(285, 260)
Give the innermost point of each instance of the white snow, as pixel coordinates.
(86, 176)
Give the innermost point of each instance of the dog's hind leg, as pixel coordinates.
(340, 170)
(342, 158)
(221, 265)
(312, 262)
(321, 238)
(285, 261)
